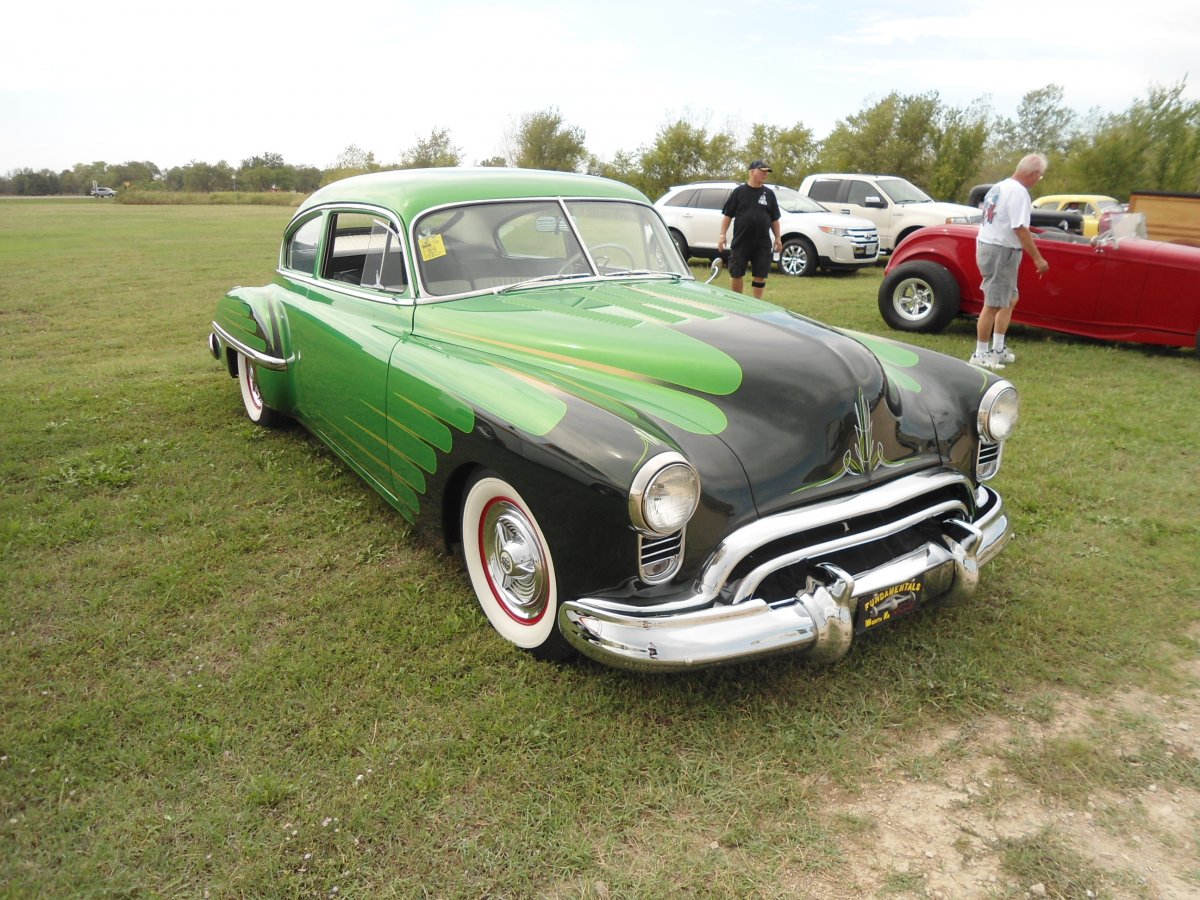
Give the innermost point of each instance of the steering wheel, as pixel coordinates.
(570, 262)
(604, 262)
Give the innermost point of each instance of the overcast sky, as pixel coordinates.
(128, 80)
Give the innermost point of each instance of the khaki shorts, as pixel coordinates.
(998, 265)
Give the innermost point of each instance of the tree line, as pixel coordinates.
(1152, 145)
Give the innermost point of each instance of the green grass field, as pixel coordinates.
(229, 670)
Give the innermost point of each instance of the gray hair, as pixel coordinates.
(1031, 164)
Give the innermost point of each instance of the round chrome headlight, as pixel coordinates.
(998, 412)
(664, 494)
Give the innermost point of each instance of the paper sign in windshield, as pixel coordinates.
(432, 247)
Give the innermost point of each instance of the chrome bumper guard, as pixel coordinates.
(696, 629)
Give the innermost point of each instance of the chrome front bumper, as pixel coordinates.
(700, 628)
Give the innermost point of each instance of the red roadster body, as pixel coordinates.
(1117, 286)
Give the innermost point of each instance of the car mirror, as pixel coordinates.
(874, 202)
(722, 259)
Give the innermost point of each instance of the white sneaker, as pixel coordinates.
(988, 360)
(1005, 355)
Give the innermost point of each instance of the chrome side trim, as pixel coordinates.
(256, 356)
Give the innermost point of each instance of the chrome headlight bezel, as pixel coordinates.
(998, 413)
(664, 494)
(835, 230)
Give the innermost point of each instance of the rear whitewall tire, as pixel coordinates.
(256, 410)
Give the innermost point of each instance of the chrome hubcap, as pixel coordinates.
(913, 299)
(516, 564)
(252, 383)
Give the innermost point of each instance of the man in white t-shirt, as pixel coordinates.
(1003, 237)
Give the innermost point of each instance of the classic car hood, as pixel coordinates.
(804, 408)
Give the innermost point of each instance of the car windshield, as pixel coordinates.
(791, 201)
(490, 246)
(902, 191)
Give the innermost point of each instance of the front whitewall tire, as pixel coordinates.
(511, 570)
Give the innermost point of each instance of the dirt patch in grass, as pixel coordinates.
(1066, 797)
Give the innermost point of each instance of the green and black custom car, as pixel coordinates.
(637, 466)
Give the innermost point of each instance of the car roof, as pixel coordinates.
(1069, 197)
(702, 184)
(855, 175)
(409, 192)
(692, 185)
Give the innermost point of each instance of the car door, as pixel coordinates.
(858, 197)
(700, 220)
(1069, 292)
(1154, 288)
(343, 330)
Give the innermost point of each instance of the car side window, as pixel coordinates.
(712, 198)
(860, 191)
(301, 253)
(683, 198)
(364, 249)
(1050, 205)
(824, 190)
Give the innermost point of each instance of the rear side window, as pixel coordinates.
(683, 198)
(301, 254)
(712, 198)
(365, 249)
(824, 190)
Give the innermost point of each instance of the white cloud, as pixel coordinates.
(125, 80)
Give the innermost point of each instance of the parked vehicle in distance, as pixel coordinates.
(1169, 216)
(812, 236)
(657, 473)
(1063, 220)
(896, 205)
(102, 192)
(1118, 286)
(1090, 206)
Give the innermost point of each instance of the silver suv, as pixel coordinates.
(812, 236)
(896, 205)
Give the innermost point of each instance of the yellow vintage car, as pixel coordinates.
(1091, 205)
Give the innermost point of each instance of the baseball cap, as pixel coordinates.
(759, 164)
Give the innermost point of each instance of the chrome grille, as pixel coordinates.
(659, 557)
(862, 236)
(987, 464)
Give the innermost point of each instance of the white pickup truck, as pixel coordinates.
(896, 205)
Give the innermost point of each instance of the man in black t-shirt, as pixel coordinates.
(754, 207)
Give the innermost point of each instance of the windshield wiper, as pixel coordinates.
(541, 278)
(643, 273)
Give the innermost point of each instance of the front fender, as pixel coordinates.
(950, 246)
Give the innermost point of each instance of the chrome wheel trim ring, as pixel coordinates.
(514, 561)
